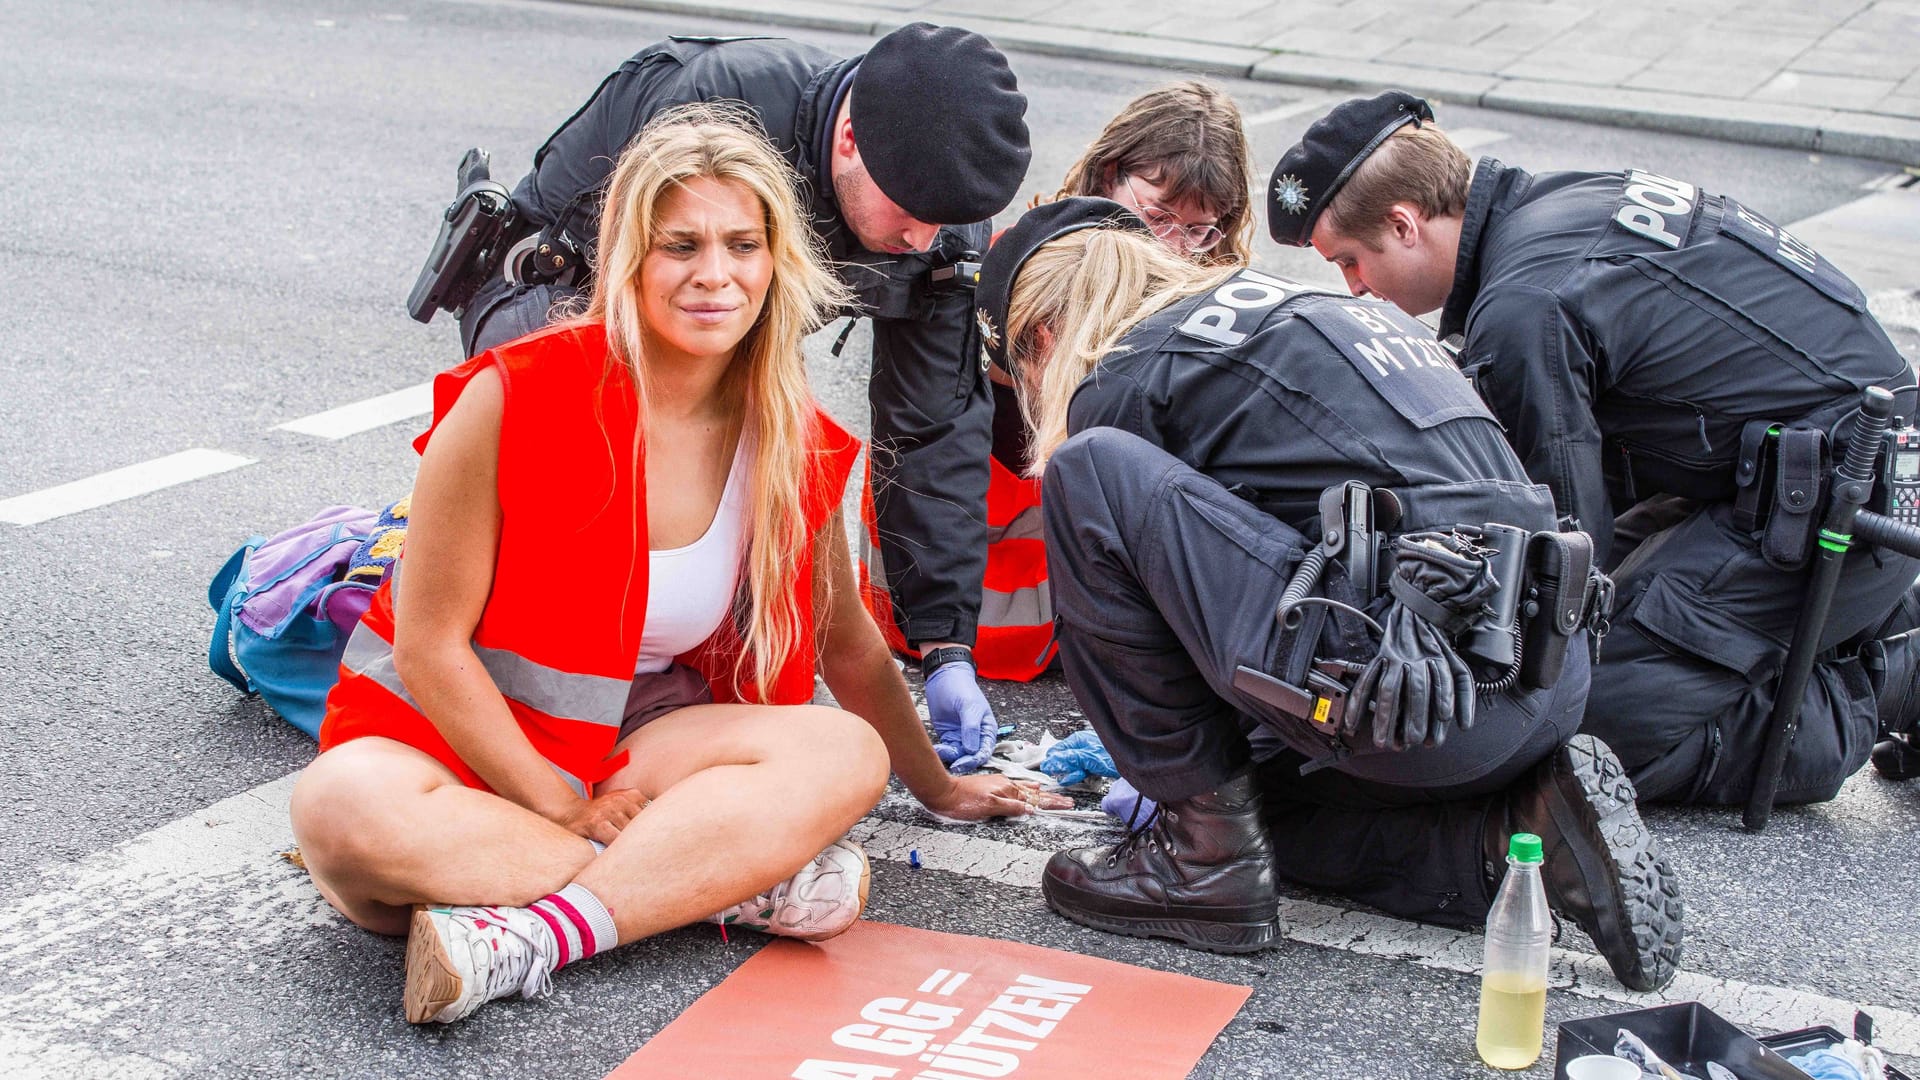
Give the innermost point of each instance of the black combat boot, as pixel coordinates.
(1200, 871)
(1603, 870)
(1893, 667)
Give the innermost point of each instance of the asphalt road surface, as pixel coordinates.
(214, 211)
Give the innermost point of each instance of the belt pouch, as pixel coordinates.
(1750, 476)
(1560, 569)
(1800, 478)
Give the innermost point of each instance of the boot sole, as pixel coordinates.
(1204, 934)
(1644, 890)
(432, 983)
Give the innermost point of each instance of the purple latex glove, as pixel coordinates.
(964, 730)
(1125, 802)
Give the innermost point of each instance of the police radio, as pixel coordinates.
(1902, 476)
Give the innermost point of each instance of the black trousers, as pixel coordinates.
(499, 313)
(1163, 584)
(1688, 676)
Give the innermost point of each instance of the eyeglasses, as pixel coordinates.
(1167, 225)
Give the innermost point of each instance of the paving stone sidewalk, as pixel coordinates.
(1839, 76)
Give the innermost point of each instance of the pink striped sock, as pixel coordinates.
(580, 923)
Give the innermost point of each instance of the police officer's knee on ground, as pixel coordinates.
(1205, 427)
(1669, 356)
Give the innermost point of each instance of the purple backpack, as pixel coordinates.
(284, 608)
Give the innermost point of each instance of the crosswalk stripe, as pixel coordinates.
(110, 487)
(1328, 926)
(338, 423)
(234, 846)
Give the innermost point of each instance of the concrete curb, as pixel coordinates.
(1815, 129)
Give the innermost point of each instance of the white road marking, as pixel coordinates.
(1767, 1008)
(1475, 138)
(365, 415)
(1315, 104)
(231, 850)
(1905, 178)
(111, 487)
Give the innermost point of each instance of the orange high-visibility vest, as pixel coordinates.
(561, 629)
(1015, 637)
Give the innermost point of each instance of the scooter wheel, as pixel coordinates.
(1896, 759)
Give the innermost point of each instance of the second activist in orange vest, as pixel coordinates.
(1178, 157)
(563, 654)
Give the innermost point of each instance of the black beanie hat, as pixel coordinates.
(1037, 227)
(939, 121)
(1313, 171)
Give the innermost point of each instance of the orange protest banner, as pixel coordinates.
(884, 1002)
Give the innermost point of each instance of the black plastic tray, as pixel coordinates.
(1687, 1035)
(1795, 1043)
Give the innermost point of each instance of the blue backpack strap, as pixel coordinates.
(228, 588)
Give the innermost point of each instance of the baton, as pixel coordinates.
(1854, 484)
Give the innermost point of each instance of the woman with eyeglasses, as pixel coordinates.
(1178, 158)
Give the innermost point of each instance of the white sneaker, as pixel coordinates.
(821, 899)
(460, 957)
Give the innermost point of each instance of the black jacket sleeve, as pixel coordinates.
(575, 161)
(932, 437)
(1532, 365)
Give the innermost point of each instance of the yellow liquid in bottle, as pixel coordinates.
(1513, 1015)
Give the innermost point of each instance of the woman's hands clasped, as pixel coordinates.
(603, 816)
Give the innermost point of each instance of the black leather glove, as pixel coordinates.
(1417, 687)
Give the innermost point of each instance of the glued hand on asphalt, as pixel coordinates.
(603, 816)
(987, 795)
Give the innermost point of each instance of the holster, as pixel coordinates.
(1780, 486)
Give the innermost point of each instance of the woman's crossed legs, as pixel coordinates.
(742, 797)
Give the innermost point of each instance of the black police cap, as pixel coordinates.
(1037, 227)
(1317, 167)
(940, 123)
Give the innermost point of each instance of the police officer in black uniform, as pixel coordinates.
(904, 153)
(1220, 433)
(1669, 356)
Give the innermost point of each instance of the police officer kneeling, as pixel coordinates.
(1200, 429)
(1670, 356)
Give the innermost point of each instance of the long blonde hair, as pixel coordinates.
(1188, 139)
(1087, 288)
(766, 384)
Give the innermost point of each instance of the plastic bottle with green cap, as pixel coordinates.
(1513, 983)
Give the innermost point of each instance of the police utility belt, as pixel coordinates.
(1500, 605)
(481, 236)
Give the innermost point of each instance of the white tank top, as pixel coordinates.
(690, 589)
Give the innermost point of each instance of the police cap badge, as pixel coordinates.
(1312, 172)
